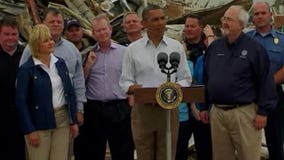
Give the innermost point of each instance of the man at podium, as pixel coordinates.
(140, 69)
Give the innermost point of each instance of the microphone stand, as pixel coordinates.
(167, 71)
(169, 136)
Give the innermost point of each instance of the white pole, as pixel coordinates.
(169, 136)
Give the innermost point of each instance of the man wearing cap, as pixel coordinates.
(74, 33)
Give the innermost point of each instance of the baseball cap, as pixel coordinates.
(71, 22)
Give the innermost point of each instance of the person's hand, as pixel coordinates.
(74, 129)
(204, 117)
(207, 30)
(91, 58)
(33, 139)
(80, 118)
(133, 87)
(210, 37)
(131, 101)
(260, 122)
(195, 111)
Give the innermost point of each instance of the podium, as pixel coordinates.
(190, 94)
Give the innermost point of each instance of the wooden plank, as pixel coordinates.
(33, 11)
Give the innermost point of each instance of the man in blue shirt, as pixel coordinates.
(273, 42)
(64, 49)
(240, 87)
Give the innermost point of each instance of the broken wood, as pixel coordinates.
(33, 11)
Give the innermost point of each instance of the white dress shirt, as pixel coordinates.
(58, 98)
(140, 64)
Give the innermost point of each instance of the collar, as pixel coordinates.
(97, 47)
(147, 41)
(191, 46)
(16, 52)
(237, 41)
(272, 33)
(53, 60)
(59, 42)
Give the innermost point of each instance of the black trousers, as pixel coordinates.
(78, 146)
(12, 137)
(202, 139)
(274, 131)
(107, 122)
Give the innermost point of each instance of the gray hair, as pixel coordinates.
(129, 13)
(259, 2)
(243, 15)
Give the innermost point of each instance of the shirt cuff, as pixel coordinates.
(80, 107)
(183, 83)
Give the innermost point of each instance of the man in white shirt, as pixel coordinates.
(140, 69)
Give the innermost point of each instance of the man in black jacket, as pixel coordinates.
(10, 54)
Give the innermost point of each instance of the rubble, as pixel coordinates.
(28, 12)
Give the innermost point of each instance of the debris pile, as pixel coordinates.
(28, 12)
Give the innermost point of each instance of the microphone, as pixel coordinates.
(162, 60)
(174, 60)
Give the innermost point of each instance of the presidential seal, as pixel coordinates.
(169, 95)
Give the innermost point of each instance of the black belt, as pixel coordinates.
(110, 102)
(227, 107)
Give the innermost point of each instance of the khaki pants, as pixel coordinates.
(233, 133)
(148, 124)
(54, 143)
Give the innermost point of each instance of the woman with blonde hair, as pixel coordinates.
(46, 100)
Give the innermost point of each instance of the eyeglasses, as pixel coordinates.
(227, 19)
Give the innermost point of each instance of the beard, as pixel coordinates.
(226, 31)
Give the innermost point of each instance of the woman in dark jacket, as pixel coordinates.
(46, 100)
